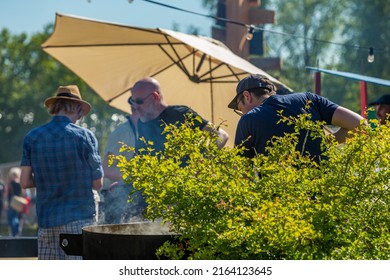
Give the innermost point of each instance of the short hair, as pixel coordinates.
(261, 91)
(68, 106)
(14, 172)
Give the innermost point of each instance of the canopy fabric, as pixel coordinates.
(196, 71)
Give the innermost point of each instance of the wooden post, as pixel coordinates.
(363, 99)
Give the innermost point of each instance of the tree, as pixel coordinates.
(368, 25)
(28, 77)
(341, 33)
(304, 26)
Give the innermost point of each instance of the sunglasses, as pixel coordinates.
(139, 101)
(238, 112)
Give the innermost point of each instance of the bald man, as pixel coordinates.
(148, 99)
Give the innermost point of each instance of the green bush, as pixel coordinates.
(281, 205)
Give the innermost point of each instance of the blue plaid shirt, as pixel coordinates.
(65, 160)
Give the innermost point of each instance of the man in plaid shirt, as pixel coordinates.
(61, 160)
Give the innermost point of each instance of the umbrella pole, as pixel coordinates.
(211, 93)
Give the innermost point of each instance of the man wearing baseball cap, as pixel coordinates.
(260, 107)
(61, 160)
(382, 108)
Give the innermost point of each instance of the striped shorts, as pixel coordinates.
(49, 240)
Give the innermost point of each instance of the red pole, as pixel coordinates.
(363, 99)
(317, 82)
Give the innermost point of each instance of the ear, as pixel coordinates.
(79, 111)
(247, 95)
(156, 95)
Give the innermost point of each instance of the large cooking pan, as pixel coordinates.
(134, 241)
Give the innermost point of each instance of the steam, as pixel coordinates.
(136, 228)
(116, 209)
(122, 217)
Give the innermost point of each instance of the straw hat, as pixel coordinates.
(70, 92)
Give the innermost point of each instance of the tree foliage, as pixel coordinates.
(305, 26)
(283, 205)
(28, 76)
(339, 34)
(367, 26)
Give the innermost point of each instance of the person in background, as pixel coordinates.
(148, 99)
(382, 108)
(61, 160)
(256, 98)
(13, 188)
(115, 193)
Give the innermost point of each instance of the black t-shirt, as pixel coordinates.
(153, 130)
(262, 123)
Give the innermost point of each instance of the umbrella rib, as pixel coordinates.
(118, 95)
(233, 74)
(110, 45)
(179, 62)
(212, 69)
(173, 63)
(222, 77)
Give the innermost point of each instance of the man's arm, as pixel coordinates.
(26, 177)
(222, 135)
(346, 120)
(97, 184)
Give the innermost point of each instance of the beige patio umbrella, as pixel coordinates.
(196, 71)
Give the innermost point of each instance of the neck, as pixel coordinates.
(262, 99)
(74, 117)
(157, 112)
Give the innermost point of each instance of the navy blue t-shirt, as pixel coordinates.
(153, 130)
(261, 123)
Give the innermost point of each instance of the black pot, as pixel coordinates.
(135, 241)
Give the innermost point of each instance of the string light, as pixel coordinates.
(371, 56)
(252, 28)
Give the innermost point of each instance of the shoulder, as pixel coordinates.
(299, 97)
(175, 111)
(82, 133)
(322, 102)
(179, 109)
(122, 127)
(255, 116)
(80, 129)
(314, 96)
(37, 132)
(122, 132)
(179, 113)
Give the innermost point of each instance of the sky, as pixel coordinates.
(32, 16)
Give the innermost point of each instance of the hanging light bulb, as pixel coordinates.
(249, 34)
(131, 1)
(370, 57)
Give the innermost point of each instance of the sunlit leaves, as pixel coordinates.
(278, 206)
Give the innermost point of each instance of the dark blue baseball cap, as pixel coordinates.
(384, 99)
(252, 81)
